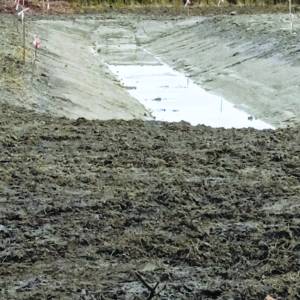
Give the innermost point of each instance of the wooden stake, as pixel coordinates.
(291, 15)
(33, 63)
(16, 23)
(24, 41)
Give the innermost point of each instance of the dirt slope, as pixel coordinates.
(68, 79)
(251, 60)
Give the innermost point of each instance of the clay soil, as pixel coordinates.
(101, 209)
(139, 209)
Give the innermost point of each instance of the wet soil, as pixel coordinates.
(111, 209)
(140, 210)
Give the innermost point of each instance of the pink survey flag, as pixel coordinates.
(17, 3)
(37, 42)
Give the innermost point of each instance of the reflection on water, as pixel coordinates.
(171, 96)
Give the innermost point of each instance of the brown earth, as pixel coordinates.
(175, 8)
(110, 209)
(204, 213)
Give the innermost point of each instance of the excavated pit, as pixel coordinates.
(109, 209)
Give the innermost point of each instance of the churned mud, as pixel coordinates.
(115, 209)
(202, 213)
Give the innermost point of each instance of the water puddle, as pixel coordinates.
(171, 96)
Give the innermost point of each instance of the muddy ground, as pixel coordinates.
(204, 213)
(138, 209)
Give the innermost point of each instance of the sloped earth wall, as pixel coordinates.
(251, 60)
(67, 79)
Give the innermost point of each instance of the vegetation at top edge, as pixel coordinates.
(100, 5)
(179, 2)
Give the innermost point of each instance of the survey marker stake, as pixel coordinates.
(187, 5)
(37, 45)
(22, 15)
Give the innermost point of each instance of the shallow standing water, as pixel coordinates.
(171, 96)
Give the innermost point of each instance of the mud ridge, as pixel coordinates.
(202, 213)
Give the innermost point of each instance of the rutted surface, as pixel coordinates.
(207, 213)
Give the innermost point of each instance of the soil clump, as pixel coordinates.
(203, 213)
(137, 209)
